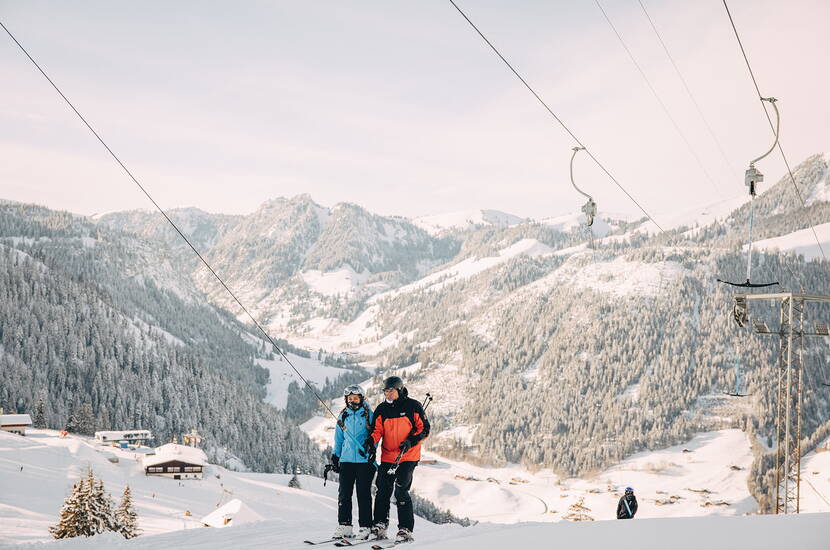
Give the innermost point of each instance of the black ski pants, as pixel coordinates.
(400, 483)
(355, 475)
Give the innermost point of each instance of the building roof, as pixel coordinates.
(174, 451)
(235, 512)
(123, 434)
(15, 420)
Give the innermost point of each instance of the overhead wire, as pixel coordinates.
(689, 91)
(771, 124)
(660, 101)
(172, 223)
(554, 115)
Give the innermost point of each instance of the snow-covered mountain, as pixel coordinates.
(465, 219)
(523, 317)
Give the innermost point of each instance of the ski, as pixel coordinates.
(344, 543)
(389, 544)
(326, 541)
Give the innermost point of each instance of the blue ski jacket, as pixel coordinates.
(358, 425)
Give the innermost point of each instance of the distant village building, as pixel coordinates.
(15, 423)
(129, 437)
(175, 461)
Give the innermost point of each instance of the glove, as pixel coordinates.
(405, 445)
(369, 446)
(335, 464)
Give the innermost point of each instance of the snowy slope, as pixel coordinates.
(465, 219)
(280, 517)
(805, 532)
(31, 498)
(705, 476)
(801, 242)
(282, 375)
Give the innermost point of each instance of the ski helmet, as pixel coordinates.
(629, 491)
(354, 389)
(395, 382)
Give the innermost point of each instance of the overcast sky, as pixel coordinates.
(398, 105)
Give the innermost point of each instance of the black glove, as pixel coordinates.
(405, 445)
(369, 445)
(335, 464)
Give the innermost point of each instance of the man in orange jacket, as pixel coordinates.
(400, 424)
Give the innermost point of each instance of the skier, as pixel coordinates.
(627, 506)
(401, 425)
(355, 465)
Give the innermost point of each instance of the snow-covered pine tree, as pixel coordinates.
(100, 506)
(578, 511)
(72, 424)
(86, 419)
(72, 516)
(40, 414)
(126, 517)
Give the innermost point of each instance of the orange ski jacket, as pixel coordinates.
(394, 422)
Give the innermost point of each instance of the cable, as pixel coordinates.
(660, 101)
(182, 235)
(549, 110)
(689, 92)
(771, 125)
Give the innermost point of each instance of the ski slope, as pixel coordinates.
(277, 516)
(802, 243)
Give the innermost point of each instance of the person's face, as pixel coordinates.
(353, 399)
(391, 394)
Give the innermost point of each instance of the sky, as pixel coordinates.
(399, 106)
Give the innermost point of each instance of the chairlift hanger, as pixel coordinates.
(590, 207)
(737, 391)
(752, 178)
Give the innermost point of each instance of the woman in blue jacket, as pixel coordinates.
(355, 466)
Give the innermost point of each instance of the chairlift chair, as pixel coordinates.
(737, 391)
(752, 178)
(590, 207)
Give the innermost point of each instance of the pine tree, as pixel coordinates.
(86, 512)
(577, 511)
(72, 516)
(85, 419)
(100, 506)
(126, 517)
(40, 415)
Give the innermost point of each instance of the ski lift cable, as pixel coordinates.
(172, 223)
(660, 101)
(689, 91)
(555, 116)
(772, 126)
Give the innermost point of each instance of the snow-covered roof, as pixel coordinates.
(174, 451)
(234, 512)
(123, 434)
(15, 420)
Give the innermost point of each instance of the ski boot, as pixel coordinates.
(363, 533)
(379, 531)
(404, 535)
(342, 532)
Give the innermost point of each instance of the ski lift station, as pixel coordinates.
(124, 437)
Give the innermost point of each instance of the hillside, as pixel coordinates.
(171, 512)
(92, 316)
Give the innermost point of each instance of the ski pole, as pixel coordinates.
(394, 468)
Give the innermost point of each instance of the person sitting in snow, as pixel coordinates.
(355, 464)
(627, 506)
